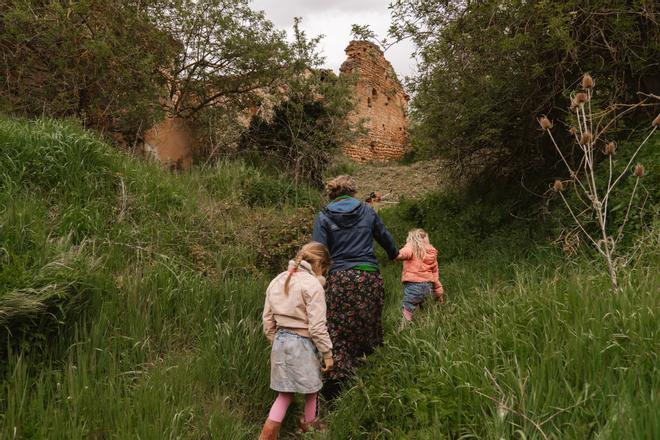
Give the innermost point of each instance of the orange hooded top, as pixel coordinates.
(420, 271)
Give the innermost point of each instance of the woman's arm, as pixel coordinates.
(384, 238)
(319, 232)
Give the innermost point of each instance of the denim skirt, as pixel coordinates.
(295, 365)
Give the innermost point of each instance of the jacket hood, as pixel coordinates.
(345, 213)
(306, 267)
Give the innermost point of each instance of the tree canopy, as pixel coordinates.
(120, 66)
(489, 69)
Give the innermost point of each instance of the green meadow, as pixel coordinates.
(130, 307)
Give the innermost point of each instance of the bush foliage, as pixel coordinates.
(120, 67)
(488, 69)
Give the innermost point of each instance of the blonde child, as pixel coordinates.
(420, 272)
(294, 321)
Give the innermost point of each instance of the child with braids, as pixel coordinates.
(420, 273)
(294, 321)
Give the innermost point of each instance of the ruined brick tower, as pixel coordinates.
(381, 101)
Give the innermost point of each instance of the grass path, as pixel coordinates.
(395, 181)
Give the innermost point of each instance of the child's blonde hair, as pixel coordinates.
(419, 240)
(314, 253)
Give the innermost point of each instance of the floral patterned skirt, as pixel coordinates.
(355, 305)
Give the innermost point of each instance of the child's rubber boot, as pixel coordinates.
(271, 430)
(308, 426)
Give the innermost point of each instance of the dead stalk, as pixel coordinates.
(598, 206)
(625, 219)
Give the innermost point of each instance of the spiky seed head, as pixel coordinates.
(610, 148)
(558, 186)
(586, 138)
(545, 123)
(656, 121)
(587, 81)
(581, 98)
(639, 170)
(572, 130)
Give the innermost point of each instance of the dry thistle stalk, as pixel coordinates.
(610, 148)
(581, 98)
(594, 194)
(587, 81)
(586, 138)
(545, 123)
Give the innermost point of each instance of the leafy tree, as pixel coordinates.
(307, 127)
(488, 68)
(229, 53)
(95, 60)
(121, 66)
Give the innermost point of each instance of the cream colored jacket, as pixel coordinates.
(302, 310)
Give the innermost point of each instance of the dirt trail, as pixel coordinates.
(395, 181)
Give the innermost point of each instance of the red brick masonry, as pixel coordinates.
(381, 102)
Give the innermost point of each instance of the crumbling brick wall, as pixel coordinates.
(381, 101)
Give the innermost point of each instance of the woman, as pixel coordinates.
(354, 290)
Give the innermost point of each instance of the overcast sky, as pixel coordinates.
(333, 18)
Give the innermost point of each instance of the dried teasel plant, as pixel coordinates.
(595, 195)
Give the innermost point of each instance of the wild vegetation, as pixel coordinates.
(488, 69)
(144, 319)
(127, 287)
(131, 298)
(120, 67)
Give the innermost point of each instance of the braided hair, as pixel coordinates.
(314, 253)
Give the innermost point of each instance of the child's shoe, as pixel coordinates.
(271, 430)
(308, 426)
(402, 325)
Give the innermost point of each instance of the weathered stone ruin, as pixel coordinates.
(380, 101)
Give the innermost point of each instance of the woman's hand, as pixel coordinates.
(329, 363)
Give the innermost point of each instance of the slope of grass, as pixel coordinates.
(546, 353)
(124, 288)
(131, 303)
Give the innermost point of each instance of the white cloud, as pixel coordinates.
(333, 19)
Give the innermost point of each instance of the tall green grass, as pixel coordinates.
(131, 302)
(130, 297)
(546, 353)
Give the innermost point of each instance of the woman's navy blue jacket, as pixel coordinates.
(348, 228)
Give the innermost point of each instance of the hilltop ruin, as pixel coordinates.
(381, 103)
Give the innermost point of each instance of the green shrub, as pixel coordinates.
(462, 224)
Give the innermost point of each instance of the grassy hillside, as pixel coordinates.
(130, 307)
(130, 300)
